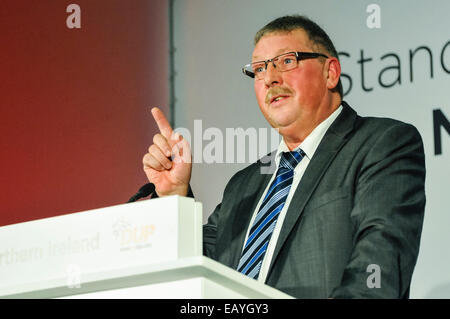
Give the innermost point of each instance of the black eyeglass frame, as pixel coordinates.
(299, 56)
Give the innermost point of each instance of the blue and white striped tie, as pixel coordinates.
(264, 223)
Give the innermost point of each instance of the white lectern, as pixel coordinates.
(146, 249)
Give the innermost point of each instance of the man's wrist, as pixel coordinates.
(181, 191)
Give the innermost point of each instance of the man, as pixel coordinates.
(341, 216)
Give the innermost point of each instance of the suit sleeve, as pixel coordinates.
(210, 234)
(387, 217)
(210, 229)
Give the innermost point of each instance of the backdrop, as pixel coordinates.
(395, 58)
(76, 89)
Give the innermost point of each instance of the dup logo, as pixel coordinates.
(131, 236)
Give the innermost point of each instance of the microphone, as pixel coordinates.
(144, 191)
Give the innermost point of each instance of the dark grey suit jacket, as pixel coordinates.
(360, 202)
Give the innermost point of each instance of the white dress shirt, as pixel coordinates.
(309, 146)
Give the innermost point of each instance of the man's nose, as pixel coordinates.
(272, 76)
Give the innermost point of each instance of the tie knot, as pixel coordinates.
(290, 160)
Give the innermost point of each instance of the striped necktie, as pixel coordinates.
(266, 218)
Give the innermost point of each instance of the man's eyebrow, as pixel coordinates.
(280, 51)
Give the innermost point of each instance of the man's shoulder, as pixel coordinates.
(262, 162)
(377, 126)
(376, 137)
(373, 122)
(260, 168)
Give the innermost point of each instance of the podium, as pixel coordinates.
(147, 249)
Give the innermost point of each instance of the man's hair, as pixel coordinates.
(316, 35)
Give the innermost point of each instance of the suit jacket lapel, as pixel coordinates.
(325, 153)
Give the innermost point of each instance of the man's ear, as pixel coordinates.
(333, 72)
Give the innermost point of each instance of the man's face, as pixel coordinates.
(302, 92)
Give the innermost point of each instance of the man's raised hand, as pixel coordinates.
(168, 162)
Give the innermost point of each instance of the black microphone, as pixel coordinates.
(144, 191)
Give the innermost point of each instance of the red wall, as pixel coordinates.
(75, 103)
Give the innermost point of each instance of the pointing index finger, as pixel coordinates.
(163, 124)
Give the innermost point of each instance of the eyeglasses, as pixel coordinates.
(283, 62)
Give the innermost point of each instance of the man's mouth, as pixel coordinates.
(277, 94)
(278, 98)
